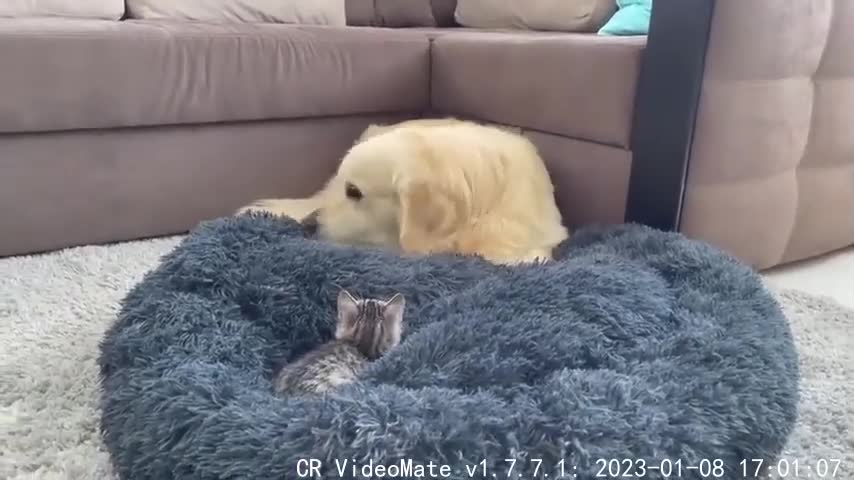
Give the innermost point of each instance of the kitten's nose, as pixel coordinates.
(309, 223)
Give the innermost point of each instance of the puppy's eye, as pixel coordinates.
(352, 192)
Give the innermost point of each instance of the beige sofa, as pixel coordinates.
(730, 122)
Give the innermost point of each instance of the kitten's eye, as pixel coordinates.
(352, 192)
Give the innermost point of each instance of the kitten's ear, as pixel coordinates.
(348, 312)
(393, 316)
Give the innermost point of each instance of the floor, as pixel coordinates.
(830, 275)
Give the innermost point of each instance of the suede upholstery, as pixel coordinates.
(61, 189)
(772, 165)
(103, 9)
(495, 77)
(549, 15)
(315, 12)
(186, 73)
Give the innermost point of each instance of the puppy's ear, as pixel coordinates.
(428, 216)
(372, 131)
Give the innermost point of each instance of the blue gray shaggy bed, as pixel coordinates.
(635, 344)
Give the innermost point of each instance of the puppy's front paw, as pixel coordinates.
(263, 205)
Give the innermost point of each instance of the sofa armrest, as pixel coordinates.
(742, 136)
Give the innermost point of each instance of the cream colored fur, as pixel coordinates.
(441, 185)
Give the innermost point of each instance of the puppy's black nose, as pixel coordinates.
(309, 223)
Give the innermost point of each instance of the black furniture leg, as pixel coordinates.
(666, 104)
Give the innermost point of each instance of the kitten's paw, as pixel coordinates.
(296, 208)
(536, 256)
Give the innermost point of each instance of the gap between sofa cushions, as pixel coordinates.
(401, 13)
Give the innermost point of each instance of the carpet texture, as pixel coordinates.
(634, 343)
(55, 308)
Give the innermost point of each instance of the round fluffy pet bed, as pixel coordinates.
(635, 345)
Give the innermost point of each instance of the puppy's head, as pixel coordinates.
(395, 191)
(360, 204)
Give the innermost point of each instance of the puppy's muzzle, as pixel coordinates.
(309, 223)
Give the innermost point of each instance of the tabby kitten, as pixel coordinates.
(366, 329)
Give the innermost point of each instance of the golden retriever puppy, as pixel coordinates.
(441, 185)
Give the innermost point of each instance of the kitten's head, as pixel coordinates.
(372, 325)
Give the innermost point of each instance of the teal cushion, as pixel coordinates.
(632, 18)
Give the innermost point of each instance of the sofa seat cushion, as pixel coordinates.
(571, 84)
(82, 74)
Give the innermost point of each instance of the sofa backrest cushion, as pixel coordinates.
(103, 9)
(401, 13)
(314, 12)
(555, 15)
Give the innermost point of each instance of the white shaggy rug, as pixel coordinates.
(54, 309)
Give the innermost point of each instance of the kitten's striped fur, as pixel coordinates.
(366, 329)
